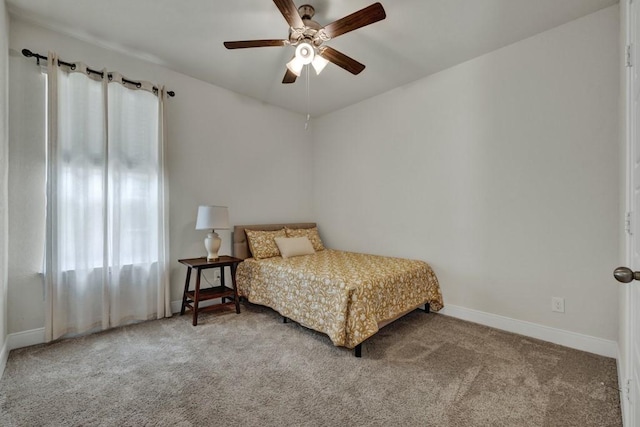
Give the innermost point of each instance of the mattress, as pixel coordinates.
(345, 295)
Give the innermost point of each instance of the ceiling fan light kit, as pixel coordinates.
(305, 53)
(319, 63)
(295, 66)
(308, 36)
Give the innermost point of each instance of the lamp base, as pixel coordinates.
(212, 245)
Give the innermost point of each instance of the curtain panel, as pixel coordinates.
(107, 225)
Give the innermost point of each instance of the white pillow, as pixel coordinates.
(294, 246)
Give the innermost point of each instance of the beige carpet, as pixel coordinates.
(252, 370)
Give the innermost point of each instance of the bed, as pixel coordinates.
(347, 296)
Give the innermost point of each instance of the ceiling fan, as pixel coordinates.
(308, 36)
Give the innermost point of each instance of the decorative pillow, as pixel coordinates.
(310, 233)
(262, 243)
(294, 246)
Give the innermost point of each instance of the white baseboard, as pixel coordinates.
(570, 339)
(623, 376)
(25, 338)
(36, 336)
(18, 340)
(4, 356)
(557, 336)
(176, 306)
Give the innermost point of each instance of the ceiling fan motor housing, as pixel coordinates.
(308, 33)
(306, 11)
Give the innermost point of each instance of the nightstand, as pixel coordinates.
(192, 299)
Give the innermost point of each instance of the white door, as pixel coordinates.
(630, 327)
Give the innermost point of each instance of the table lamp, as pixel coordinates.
(212, 218)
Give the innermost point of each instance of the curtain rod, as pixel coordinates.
(29, 54)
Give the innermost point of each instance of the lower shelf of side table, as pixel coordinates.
(211, 293)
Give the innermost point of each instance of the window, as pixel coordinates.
(106, 229)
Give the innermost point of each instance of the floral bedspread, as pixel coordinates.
(342, 294)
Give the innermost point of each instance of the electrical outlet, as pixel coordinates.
(557, 304)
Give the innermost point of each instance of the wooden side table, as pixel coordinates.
(191, 299)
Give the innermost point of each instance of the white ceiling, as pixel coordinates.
(418, 38)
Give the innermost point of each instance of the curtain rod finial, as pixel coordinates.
(27, 53)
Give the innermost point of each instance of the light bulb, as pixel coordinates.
(305, 53)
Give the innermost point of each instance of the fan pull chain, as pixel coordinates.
(306, 124)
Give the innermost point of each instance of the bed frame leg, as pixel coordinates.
(427, 308)
(284, 319)
(358, 350)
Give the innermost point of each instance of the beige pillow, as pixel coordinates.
(262, 243)
(311, 233)
(294, 246)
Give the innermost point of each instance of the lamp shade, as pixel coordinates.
(212, 218)
(295, 66)
(319, 63)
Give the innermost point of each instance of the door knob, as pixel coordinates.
(625, 275)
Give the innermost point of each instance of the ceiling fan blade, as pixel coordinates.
(254, 43)
(290, 13)
(289, 77)
(341, 60)
(359, 19)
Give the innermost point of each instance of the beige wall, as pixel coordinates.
(27, 109)
(502, 172)
(223, 148)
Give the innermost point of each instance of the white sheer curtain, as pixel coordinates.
(106, 257)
